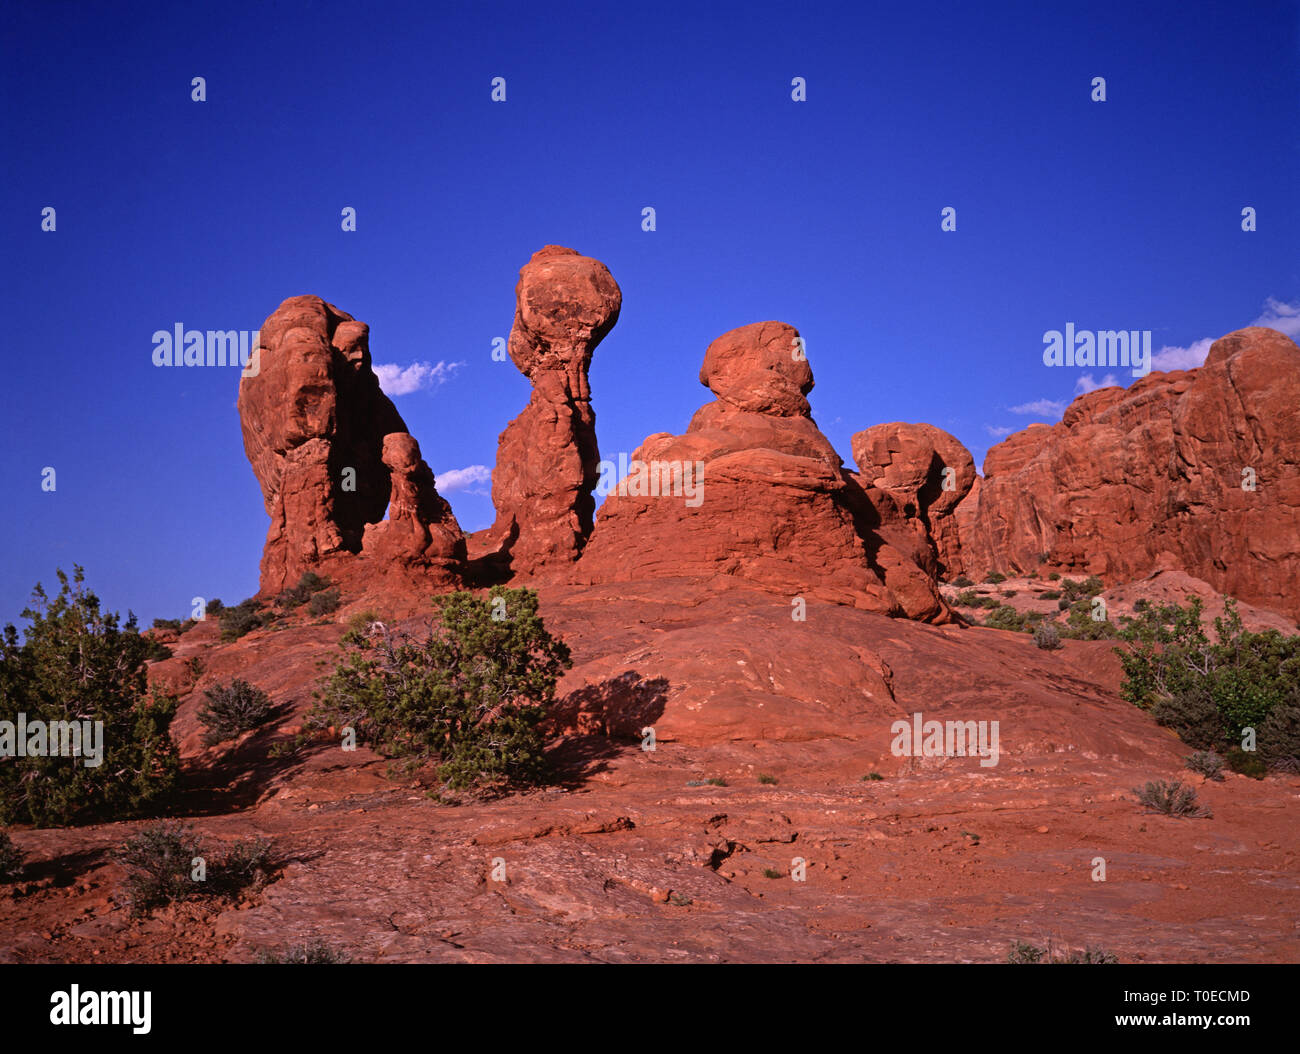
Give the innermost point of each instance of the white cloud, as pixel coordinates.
(1283, 317)
(1088, 383)
(999, 433)
(464, 479)
(398, 380)
(1278, 315)
(1171, 357)
(1040, 408)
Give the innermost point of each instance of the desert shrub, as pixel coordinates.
(1050, 594)
(872, 776)
(1046, 636)
(716, 781)
(244, 617)
(468, 698)
(1055, 576)
(324, 602)
(1091, 955)
(157, 650)
(1075, 590)
(1003, 616)
(233, 709)
(245, 864)
(771, 872)
(1192, 714)
(161, 862)
(1246, 763)
(1172, 799)
(1279, 735)
(1022, 953)
(78, 664)
(1080, 625)
(1209, 691)
(1008, 592)
(1206, 763)
(172, 624)
(994, 577)
(214, 606)
(1063, 604)
(11, 858)
(360, 623)
(764, 777)
(309, 584)
(962, 582)
(315, 952)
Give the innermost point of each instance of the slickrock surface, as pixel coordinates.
(634, 857)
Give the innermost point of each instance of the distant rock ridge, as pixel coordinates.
(1196, 470)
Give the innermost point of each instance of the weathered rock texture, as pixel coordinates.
(927, 473)
(547, 457)
(753, 489)
(313, 411)
(1151, 477)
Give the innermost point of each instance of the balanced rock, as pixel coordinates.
(547, 457)
(753, 489)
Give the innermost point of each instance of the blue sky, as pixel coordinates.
(1123, 214)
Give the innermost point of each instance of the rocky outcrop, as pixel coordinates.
(420, 529)
(1196, 470)
(547, 457)
(927, 473)
(754, 490)
(330, 452)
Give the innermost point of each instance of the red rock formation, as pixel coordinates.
(420, 529)
(314, 423)
(547, 457)
(1133, 480)
(927, 473)
(753, 489)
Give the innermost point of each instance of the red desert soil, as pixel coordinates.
(626, 861)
